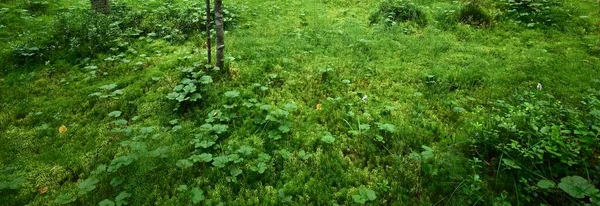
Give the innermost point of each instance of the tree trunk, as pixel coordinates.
(220, 33)
(102, 6)
(208, 46)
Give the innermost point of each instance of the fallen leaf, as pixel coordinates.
(62, 129)
(43, 190)
(319, 106)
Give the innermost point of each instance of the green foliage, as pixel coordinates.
(364, 195)
(13, 184)
(392, 12)
(534, 13)
(190, 87)
(87, 185)
(539, 139)
(474, 14)
(577, 187)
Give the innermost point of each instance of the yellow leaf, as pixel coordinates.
(43, 190)
(319, 106)
(62, 129)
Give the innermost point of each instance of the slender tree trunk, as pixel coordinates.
(220, 33)
(208, 46)
(102, 6)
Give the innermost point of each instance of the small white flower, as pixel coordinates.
(539, 86)
(364, 98)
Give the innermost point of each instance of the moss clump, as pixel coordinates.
(395, 11)
(473, 14)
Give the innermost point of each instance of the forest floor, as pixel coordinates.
(320, 106)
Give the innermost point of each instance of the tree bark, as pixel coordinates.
(101, 6)
(220, 33)
(208, 46)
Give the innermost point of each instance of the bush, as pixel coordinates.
(537, 138)
(534, 13)
(473, 14)
(395, 11)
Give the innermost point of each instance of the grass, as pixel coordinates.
(428, 82)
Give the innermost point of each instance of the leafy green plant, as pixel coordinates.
(364, 195)
(190, 87)
(392, 12)
(13, 184)
(539, 139)
(474, 14)
(533, 13)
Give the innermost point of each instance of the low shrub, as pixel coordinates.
(535, 140)
(473, 14)
(396, 11)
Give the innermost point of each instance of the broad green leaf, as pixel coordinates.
(13, 184)
(220, 161)
(205, 144)
(260, 167)
(245, 150)
(427, 152)
(232, 94)
(197, 195)
(205, 79)
(368, 193)
(235, 158)
(120, 199)
(290, 106)
(87, 185)
(120, 122)
(146, 130)
(359, 199)
(219, 128)
(387, 127)
(114, 114)
(118, 162)
(284, 129)
(184, 163)
(546, 184)
(64, 199)
(182, 188)
(264, 157)
(364, 127)
(285, 154)
(108, 87)
(204, 157)
(328, 138)
(235, 172)
(116, 181)
(510, 163)
(274, 134)
(577, 186)
(106, 202)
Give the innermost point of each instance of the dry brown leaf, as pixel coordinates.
(319, 106)
(62, 129)
(43, 190)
